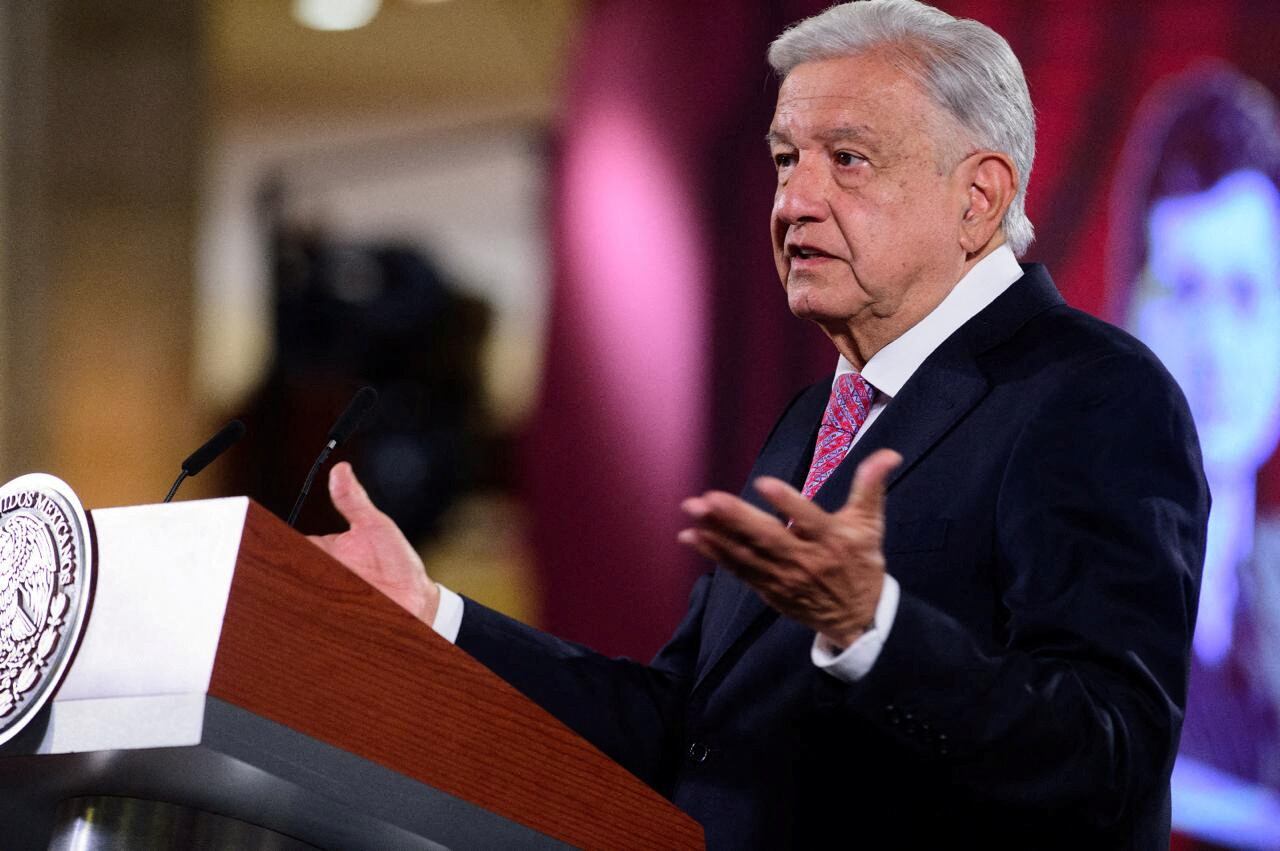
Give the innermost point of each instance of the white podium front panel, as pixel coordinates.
(141, 673)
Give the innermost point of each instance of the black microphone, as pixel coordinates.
(343, 428)
(201, 458)
(361, 404)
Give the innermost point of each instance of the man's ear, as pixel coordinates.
(991, 181)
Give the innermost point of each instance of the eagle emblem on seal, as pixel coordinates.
(28, 572)
(44, 574)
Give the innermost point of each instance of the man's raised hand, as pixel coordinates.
(825, 570)
(375, 549)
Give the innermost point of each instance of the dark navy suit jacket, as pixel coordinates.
(1047, 530)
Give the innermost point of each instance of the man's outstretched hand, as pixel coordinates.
(375, 549)
(824, 570)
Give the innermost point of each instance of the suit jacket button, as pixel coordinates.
(698, 753)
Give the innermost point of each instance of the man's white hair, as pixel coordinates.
(964, 66)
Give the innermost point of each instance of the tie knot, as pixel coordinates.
(851, 401)
(847, 410)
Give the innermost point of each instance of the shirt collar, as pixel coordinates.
(889, 368)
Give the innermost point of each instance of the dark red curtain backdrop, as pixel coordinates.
(671, 348)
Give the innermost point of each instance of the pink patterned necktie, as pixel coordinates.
(847, 410)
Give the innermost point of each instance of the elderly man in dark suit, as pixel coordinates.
(954, 603)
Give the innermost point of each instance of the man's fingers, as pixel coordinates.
(735, 518)
(867, 495)
(691, 538)
(737, 555)
(349, 496)
(806, 518)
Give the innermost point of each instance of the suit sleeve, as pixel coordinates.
(632, 712)
(1099, 545)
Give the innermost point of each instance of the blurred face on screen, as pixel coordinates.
(865, 221)
(1210, 308)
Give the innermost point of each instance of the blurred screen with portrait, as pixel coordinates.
(1196, 264)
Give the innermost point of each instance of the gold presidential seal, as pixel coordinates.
(45, 575)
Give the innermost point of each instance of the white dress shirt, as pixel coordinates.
(887, 371)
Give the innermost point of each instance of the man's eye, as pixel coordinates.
(784, 160)
(847, 158)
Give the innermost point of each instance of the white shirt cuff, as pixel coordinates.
(854, 662)
(448, 620)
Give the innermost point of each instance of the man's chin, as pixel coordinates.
(807, 302)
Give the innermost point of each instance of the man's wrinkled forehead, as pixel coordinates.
(865, 98)
(853, 83)
(830, 119)
(781, 134)
(869, 72)
(824, 102)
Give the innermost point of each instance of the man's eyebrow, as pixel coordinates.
(773, 137)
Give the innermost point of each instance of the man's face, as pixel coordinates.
(866, 217)
(1211, 312)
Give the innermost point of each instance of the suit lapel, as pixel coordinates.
(945, 388)
(938, 395)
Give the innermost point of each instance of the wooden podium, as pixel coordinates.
(232, 668)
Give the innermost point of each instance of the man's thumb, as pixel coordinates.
(867, 495)
(348, 495)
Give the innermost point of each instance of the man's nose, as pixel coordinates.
(802, 196)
